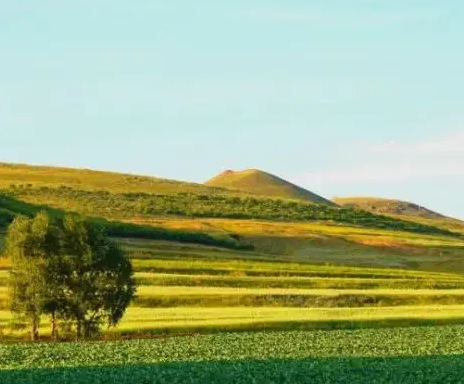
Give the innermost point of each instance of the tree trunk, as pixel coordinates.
(34, 328)
(54, 326)
(78, 330)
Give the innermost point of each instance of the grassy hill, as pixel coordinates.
(262, 183)
(388, 206)
(119, 197)
(402, 210)
(85, 179)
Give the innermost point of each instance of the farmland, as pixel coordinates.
(273, 294)
(192, 288)
(406, 355)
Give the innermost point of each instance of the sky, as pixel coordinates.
(345, 98)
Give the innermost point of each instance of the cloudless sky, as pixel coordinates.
(342, 97)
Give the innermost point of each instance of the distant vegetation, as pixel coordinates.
(145, 205)
(10, 207)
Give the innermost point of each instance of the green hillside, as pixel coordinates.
(85, 179)
(388, 207)
(11, 207)
(265, 184)
(113, 196)
(133, 206)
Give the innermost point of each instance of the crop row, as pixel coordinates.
(401, 355)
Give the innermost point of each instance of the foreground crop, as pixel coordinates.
(401, 355)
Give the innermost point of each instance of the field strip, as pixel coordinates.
(153, 275)
(147, 278)
(139, 318)
(280, 269)
(188, 319)
(186, 291)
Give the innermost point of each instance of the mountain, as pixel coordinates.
(389, 207)
(262, 183)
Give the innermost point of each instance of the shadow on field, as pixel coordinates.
(404, 370)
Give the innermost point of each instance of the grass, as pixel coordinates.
(118, 206)
(253, 181)
(183, 296)
(171, 279)
(113, 228)
(22, 174)
(187, 320)
(389, 206)
(321, 243)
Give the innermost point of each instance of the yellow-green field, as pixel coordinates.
(322, 243)
(300, 274)
(189, 288)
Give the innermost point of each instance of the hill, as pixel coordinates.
(119, 197)
(262, 183)
(389, 207)
(85, 179)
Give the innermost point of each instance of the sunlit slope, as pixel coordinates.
(263, 183)
(21, 174)
(389, 206)
(126, 197)
(322, 243)
(402, 210)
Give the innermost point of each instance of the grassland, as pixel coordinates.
(323, 243)
(401, 355)
(253, 181)
(85, 179)
(389, 206)
(118, 206)
(403, 210)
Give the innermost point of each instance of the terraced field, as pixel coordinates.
(190, 288)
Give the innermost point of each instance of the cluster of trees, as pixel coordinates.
(111, 205)
(68, 270)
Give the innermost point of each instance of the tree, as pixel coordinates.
(69, 270)
(99, 278)
(29, 243)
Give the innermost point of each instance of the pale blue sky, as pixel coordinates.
(343, 97)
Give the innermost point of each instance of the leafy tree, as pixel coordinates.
(98, 277)
(29, 242)
(70, 270)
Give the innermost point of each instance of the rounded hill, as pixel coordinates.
(389, 207)
(262, 183)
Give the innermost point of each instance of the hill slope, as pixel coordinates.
(118, 197)
(262, 183)
(389, 207)
(86, 179)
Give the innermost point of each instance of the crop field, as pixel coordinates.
(216, 315)
(191, 288)
(392, 355)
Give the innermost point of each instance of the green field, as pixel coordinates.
(400, 355)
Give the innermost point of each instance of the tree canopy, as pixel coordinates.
(69, 270)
